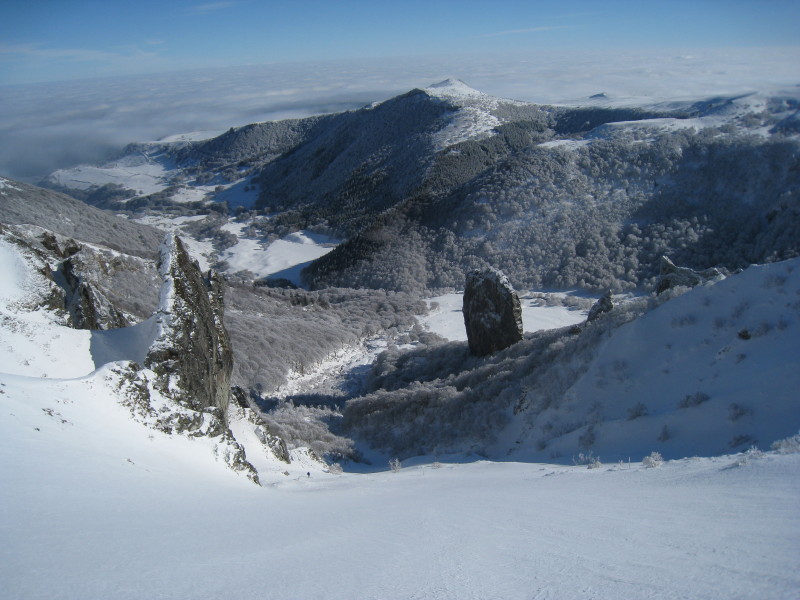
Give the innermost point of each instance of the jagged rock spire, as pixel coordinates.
(192, 345)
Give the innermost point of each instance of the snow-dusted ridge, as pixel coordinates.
(474, 117)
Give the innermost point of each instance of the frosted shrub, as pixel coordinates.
(653, 460)
(395, 465)
(335, 469)
(695, 399)
(789, 445)
(636, 411)
(594, 463)
(589, 459)
(746, 457)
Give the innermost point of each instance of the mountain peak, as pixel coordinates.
(452, 88)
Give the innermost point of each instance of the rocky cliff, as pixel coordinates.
(192, 351)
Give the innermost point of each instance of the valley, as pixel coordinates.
(306, 277)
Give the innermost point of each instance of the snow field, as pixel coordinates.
(137, 172)
(282, 258)
(93, 510)
(34, 343)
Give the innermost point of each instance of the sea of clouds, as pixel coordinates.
(48, 126)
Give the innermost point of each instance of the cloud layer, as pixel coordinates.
(56, 125)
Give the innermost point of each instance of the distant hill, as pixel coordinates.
(21, 204)
(430, 184)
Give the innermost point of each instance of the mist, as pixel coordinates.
(49, 126)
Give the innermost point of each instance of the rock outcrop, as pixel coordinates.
(88, 308)
(185, 387)
(671, 276)
(192, 351)
(492, 312)
(603, 305)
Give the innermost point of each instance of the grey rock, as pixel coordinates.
(492, 312)
(192, 350)
(87, 306)
(603, 305)
(671, 276)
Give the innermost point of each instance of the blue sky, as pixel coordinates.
(46, 40)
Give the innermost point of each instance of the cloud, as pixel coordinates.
(54, 125)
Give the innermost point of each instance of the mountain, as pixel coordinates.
(426, 186)
(589, 198)
(650, 451)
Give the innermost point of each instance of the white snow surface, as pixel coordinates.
(96, 506)
(35, 343)
(139, 172)
(282, 258)
(4, 183)
(711, 371)
(472, 120)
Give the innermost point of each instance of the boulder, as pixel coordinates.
(671, 276)
(492, 312)
(603, 305)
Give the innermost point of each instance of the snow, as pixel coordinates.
(446, 319)
(191, 136)
(456, 89)
(472, 120)
(201, 251)
(706, 373)
(139, 172)
(34, 343)
(566, 144)
(282, 258)
(4, 183)
(126, 343)
(96, 505)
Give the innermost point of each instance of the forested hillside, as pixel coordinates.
(594, 209)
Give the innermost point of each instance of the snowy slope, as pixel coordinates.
(35, 343)
(105, 511)
(96, 506)
(712, 371)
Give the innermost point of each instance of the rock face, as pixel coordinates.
(492, 312)
(192, 352)
(603, 305)
(72, 295)
(87, 307)
(671, 276)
